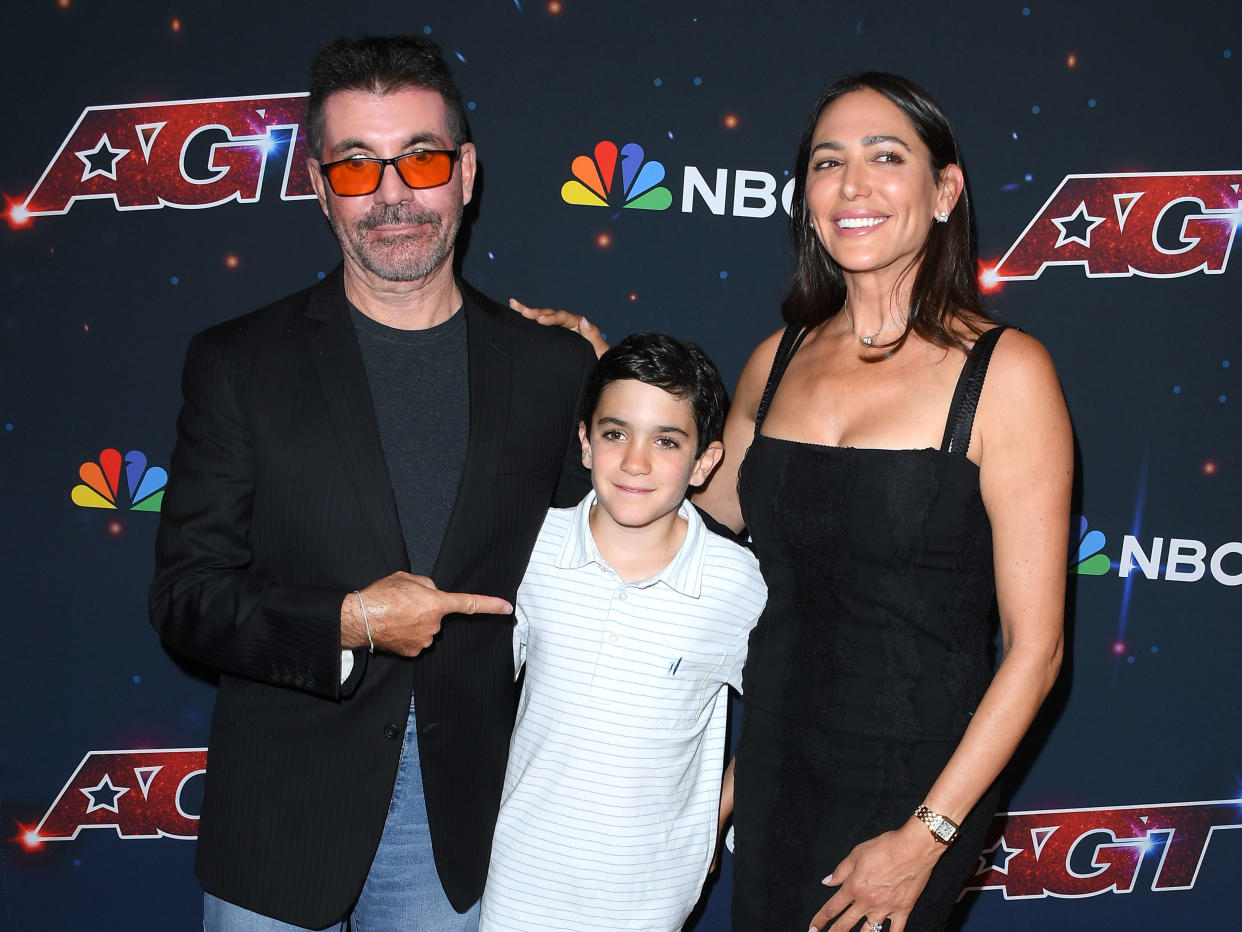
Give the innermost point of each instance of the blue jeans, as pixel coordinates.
(402, 892)
(222, 916)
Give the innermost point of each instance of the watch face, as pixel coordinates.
(943, 829)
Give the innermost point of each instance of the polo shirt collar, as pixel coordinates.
(684, 574)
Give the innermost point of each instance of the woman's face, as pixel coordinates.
(869, 185)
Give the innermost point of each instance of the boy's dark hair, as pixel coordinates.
(380, 65)
(679, 367)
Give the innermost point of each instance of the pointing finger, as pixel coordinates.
(468, 604)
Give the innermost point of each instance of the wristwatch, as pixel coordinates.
(944, 830)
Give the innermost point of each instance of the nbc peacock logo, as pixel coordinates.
(595, 179)
(101, 483)
(1086, 549)
(1173, 559)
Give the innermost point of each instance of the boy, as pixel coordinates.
(632, 620)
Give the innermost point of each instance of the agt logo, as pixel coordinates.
(1176, 559)
(595, 184)
(101, 483)
(1085, 852)
(182, 153)
(1162, 225)
(140, 794)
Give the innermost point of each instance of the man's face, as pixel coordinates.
(396, 233)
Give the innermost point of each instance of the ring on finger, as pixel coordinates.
(876, 926)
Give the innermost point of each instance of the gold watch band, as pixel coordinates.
(942, 828)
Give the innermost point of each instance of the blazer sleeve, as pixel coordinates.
(205, 601)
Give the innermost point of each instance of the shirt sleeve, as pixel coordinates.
(735, 659)
(520, 631)
(752, 598)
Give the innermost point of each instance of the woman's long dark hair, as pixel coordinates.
(945, 292)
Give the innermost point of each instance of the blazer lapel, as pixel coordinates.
(490, 381)
(343, 379)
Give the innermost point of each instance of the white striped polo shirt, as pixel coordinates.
(609, 813)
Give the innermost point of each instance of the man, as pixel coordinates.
(390, 421)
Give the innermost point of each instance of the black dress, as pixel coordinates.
(869, 659)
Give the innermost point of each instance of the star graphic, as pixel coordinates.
(101, 160)
(1082, 224)
(996, 858)
(104, 795)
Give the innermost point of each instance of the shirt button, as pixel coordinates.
(391, 731)
(612, 638)
(622, 596)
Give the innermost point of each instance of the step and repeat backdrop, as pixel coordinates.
(153, 183)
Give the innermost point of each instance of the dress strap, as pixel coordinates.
(966, 396)
(791, 339)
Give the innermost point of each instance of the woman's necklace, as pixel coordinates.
(864, 340)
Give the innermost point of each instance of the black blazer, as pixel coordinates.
(278, 505)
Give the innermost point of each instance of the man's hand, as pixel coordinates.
(405, 611)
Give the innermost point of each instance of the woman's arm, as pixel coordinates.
(718, 496)
(1025, 472)
(567, 319)
(1026, 468)
(725, 813)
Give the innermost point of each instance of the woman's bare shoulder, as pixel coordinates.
(1020, 362)
(1022, 407)
(755, 376)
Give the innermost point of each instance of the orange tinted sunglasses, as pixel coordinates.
(422, 168)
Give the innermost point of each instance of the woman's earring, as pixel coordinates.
(942, 217)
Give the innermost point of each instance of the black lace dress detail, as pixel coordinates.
(869, 659)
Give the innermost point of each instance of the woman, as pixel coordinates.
(885, 519)
(892, 492)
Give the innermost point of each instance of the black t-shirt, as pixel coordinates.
(420, 388)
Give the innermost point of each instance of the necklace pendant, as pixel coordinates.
(866, 341)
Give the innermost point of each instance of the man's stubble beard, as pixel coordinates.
(404, 258)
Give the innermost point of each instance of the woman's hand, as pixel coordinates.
(575, 322)
(880, 879)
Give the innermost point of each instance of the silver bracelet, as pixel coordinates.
(365, 620)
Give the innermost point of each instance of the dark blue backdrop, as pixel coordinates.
(1123, 270)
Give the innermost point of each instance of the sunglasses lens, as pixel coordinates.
(425, 169)
(354, 176)
(421, 169)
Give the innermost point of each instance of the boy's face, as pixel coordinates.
(640, 450)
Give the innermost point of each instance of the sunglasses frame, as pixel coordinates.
(453, 154)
